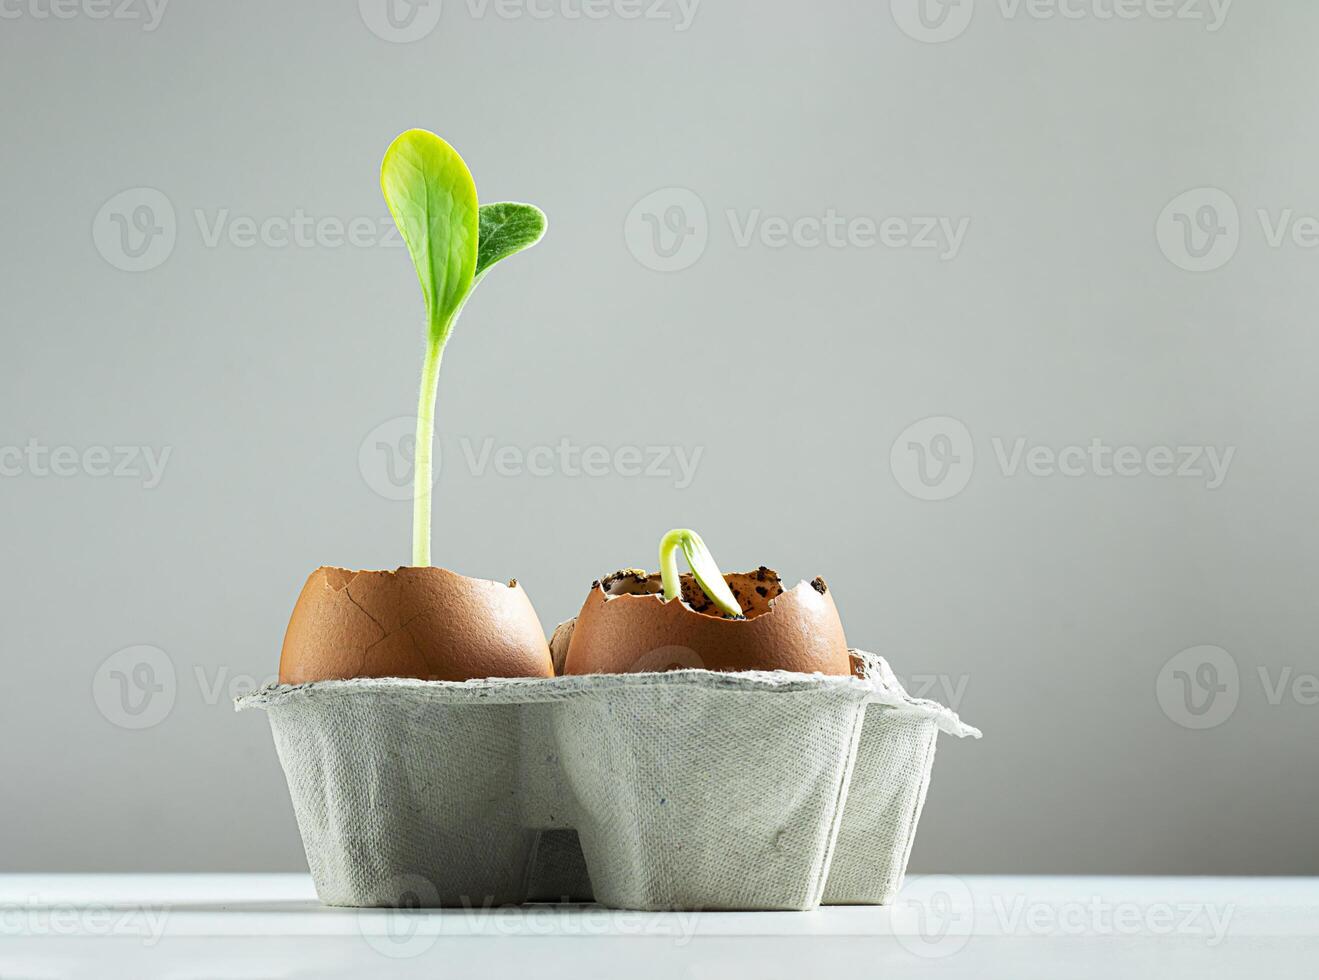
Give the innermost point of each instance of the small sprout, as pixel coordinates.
(453, 242)
(703, 567)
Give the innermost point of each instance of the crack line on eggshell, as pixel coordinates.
(361, 665)
(403, 628)
(384, 632)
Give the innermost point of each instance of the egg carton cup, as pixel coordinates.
(688, 789)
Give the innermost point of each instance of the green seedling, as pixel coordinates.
(453, 241)
(703, 567)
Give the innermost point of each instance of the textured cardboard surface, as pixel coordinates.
(688, 789)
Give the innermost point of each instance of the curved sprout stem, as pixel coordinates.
(703, 567)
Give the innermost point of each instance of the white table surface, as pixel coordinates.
(249, 926)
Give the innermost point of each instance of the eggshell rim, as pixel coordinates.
(598, 586)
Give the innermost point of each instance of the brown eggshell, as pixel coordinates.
(626, 627)
(559, 644)
(414, 622)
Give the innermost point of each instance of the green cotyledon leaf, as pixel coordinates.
(507, 228)
(704, 570)
(431, 194)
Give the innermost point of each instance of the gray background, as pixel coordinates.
(1052, 603)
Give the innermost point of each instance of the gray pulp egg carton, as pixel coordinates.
(681, 790)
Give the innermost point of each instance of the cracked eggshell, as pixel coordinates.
(413, 622)
(626, 627)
